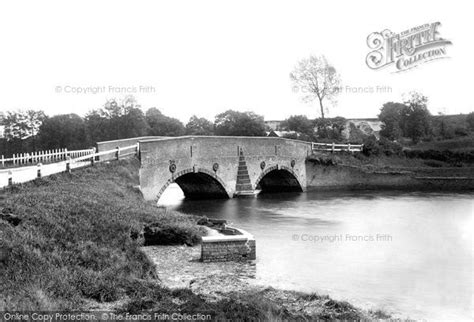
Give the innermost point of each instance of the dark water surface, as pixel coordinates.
(408, 253)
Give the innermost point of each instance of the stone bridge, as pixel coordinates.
(222, 167)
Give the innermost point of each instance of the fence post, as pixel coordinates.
(10, 178)
(93, 156)
(68, 165)
(117, 154)
(38, 172)
(3, 161)
(332, 148)
(349, 147)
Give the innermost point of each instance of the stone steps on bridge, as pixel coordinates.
(243, 187)
(243, 184)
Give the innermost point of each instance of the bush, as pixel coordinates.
(461, 131)
(156, 234)
(374, 147)
(390, 148)
(371, 146)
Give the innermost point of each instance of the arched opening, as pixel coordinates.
(278, 180)
(199, 185)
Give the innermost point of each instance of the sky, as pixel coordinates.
(204, 57)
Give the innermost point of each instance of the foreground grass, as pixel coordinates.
(78, 243)
(78, 238)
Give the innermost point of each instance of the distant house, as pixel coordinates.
(281, 134)
(274, 124)
(368, 126)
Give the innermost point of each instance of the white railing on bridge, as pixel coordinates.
(332, 147)
(78, 159)
(47, 156)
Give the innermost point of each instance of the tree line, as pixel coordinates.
(27, 131)
(412, 119)
(314, 78)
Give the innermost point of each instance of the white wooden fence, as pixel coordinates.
(332, 147)
(47, 156)
(73, 160)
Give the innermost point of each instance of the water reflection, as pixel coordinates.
(320, 242)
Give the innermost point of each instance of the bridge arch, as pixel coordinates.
(278, 179)
(198, 183)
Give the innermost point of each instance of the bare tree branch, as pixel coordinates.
(316, 78)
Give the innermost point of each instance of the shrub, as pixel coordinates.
(461, 131)
(390, 148)
(156, 234)
(374, 147)
(371, 146)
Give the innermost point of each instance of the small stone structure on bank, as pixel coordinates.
(232, 244)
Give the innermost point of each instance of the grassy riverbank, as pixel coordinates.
(73, 242)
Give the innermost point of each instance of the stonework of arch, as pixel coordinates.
(277, 167)
(192, 170)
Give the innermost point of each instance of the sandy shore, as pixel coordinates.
(179, 267)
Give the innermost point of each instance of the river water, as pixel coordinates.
(408, 253)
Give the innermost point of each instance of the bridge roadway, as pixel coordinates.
(222, 167)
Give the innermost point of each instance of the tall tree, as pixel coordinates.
(21, 125)
(390, 115)
(416, 118)
(234, 123)
(162, 125)
(63, 131)
(300, 124)
(97, 126)
(116, 120)
(315, 78)
(199, 126)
